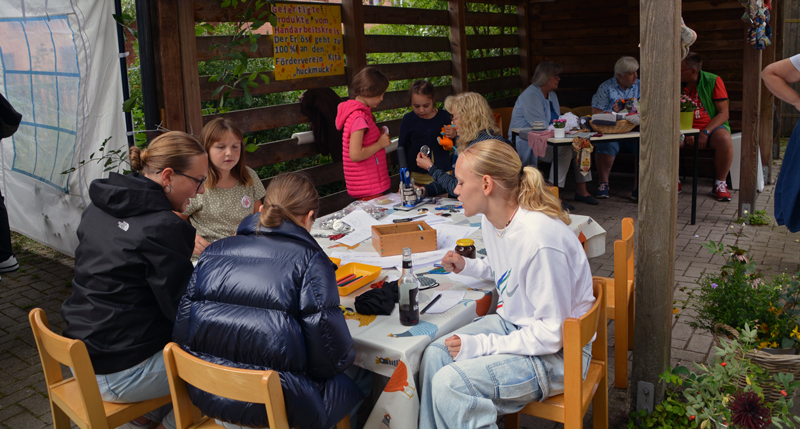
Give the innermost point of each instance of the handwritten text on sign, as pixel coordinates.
(307, 41)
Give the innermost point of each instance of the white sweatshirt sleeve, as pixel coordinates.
(547, 285)
(478, 268)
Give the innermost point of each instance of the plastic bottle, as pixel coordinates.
(408, 288)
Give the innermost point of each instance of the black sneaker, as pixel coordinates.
(588, 199)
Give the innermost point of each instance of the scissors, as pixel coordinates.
(408, 219)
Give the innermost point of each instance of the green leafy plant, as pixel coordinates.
(111, 159)
(740, 295)
(758, 217)
(714, 396)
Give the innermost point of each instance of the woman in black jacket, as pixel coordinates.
(132, 266)
(267, 298)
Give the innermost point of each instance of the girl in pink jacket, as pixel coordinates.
(363, 144)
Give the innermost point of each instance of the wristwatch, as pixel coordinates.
(705, 132)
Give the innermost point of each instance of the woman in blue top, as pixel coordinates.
(539, 103)
(421, 127)
(473, 121)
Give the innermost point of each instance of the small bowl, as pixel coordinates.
(368, 273)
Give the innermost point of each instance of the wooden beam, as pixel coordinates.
(457, 10)
(767, 110)
(168, 59)
(524, 43)
(658, 194)
(189, 70)
(354, 44)
(751, 101)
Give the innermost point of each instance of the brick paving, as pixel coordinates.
(45, 277)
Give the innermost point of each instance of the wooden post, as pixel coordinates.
(191, 78)
(524, 34)
(354, 44)
(777, 40)
(168, 59)
(751, 100)
(457, 10)
(659, 25)
(767, 110)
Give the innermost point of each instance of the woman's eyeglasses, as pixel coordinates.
(199, 182)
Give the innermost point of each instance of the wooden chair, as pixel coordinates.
(582, 111)
(78, 398)
(620, 298)
(502, 118)
(261, 387)
(570, 407)
(564, 110)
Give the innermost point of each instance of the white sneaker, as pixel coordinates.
(9, 265)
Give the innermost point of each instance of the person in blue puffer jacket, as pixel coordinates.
(267, 298)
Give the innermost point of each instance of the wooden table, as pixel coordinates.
(609, 138)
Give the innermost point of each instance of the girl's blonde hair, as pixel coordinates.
(169, 150)
(476, 116)
(289, 196)
(527, 186)
(214, 132)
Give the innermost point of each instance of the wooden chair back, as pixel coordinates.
(582, 111)
(564, 110)
(261, 387)
(502, 118)
(570, 407)
(78, 398)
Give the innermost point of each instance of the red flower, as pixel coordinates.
(783, 392)
(724, 364)
(691, 418)
(749, 411)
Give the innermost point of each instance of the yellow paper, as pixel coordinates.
(307, 41)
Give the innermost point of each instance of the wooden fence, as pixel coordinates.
(585, 36)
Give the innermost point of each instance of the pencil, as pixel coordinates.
(350, 281)
(430, 304)
(347, 277)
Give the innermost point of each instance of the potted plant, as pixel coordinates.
(739, 296)
(713, 397)
(559, 128)
(688, 106)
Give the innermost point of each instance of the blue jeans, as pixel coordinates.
(613, 148)
(143, 381)
(471, 393)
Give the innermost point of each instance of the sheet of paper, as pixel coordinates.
(369, 258)
(448, 299)
(423, 259)
(361, 222)
(447, 235)
(393, 199)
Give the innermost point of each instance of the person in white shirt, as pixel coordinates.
(498, 363)
(777, 77)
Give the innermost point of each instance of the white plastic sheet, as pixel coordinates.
(59, 68)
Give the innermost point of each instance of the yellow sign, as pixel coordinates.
(307, 41)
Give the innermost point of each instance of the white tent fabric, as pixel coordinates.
(59, 67)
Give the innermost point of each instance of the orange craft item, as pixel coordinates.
(444, 141)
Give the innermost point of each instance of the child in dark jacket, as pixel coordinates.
(421, 127)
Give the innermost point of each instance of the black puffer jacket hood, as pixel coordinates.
(267, 299)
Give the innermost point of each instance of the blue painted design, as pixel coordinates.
(421, 328)
(45, 145)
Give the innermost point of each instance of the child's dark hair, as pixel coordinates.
(369, 82)
(422, 87)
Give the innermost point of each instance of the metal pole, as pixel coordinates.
(147, 66)
(123, 69)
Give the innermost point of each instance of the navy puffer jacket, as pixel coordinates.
(267, 299)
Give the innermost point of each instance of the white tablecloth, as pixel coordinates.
(386, 347)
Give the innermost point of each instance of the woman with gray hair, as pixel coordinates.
(539, 103)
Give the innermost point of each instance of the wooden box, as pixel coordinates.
(389, 240)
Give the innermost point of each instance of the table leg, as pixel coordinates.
(694, 181)
(554, 165)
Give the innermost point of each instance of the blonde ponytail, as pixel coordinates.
(527, 186)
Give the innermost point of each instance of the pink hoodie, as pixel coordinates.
(370, 176)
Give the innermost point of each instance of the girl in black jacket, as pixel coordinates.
(132, 266)
(267, 298)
